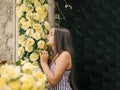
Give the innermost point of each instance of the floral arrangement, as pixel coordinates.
(33, 27)
(25, 77)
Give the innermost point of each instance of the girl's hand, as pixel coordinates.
(44, 57)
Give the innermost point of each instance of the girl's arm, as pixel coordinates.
(63, 62)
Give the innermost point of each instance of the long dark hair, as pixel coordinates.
(63, 42)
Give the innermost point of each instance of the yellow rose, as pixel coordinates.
(30, 8)
(21, 38)
(37, 4)
(41, 18)
(39, 10)
(14, 85)
(22, 43)
(25, 25)
(41, 44)
(47, 26)
(31, 22)
(34, 57)
(15, 72)
(22, 7)
(43, 35)
(29, 32)
(45, 14)
(35, 16)
(20, 51)
(2, 82)
(38, 28)
(45, 7)
(26, 60)
(18, 2)
(27, 68)
(29, 15)
(35, 63)
(39, 76)
(36, 36)
(27, 82)
(29, 48)
(42, 1)
(30, 41)
(22, 20)
(19, 13)
(40, 85)
(33, 1)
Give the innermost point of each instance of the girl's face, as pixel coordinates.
(50, 37)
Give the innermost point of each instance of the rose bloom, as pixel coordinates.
(29, 15)
(39, 76)
(18, 2)
(27, 68)
(25, 25)
(37, 26)
(30, 8)
(19, 13)
(14, 85)
(21, 38)
(30, 42)
(29, 32)
(45, 7)
(31, 22)
(39, 86)
(42, 1)
(15, 72)
(34, 57)
(28, 82)
(45, 14)
(22, 20)
(22, 43)
(43, 35)
(2, 82)
(35, 16)
(39, 10)
(29, 48)
(36, 35)
(20, 51)
(41, 44)
(41, 18)
(33, 1)
(23, 7)
(47, 26)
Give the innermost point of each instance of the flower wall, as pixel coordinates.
(33, 27)
(25, 77)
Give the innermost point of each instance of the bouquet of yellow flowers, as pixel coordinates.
(33, 27)
(25, 77)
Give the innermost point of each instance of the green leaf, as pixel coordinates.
(18, 63)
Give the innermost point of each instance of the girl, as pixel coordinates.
(59, 69)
